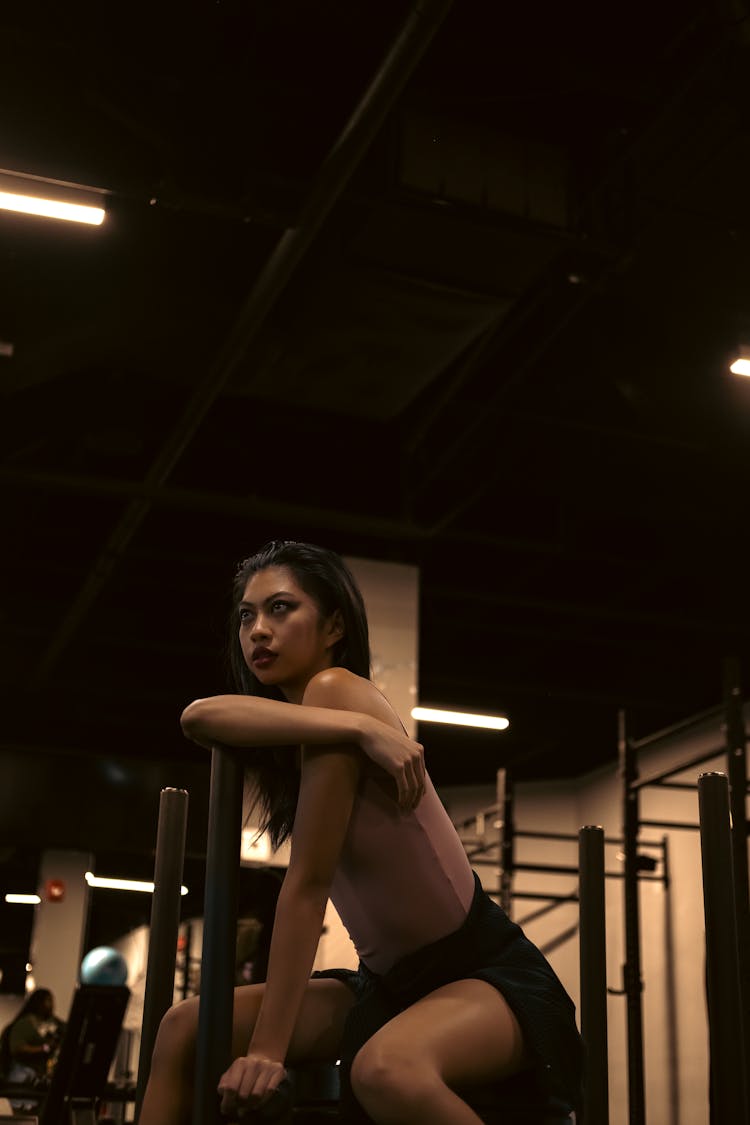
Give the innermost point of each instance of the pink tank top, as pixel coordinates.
(403, 879)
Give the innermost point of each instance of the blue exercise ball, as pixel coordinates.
(104, 965)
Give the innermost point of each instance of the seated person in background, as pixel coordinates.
(31, 1039)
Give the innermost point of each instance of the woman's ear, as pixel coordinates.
(335, 628)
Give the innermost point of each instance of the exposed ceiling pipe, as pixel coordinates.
(215, 503)
(401, 60)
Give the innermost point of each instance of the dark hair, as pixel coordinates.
(35, 1003)
(325, 577)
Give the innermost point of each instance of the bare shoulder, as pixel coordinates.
(343, 690)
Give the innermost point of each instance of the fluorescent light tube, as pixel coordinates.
(52, 199)
(32, 900)
(51, 208)
(459, 718)
(123, 884)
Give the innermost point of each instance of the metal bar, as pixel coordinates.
(670, 981)
(523, 834)
(417, 32)
(165, 922)
(692, 786)
(631, 970)
(641, 878)
(548, 869)
(677, 728)
(551, 868)
(725, 1017)
(542, 896)
(488, 811)
(558, 900)
(661, 775)
(188, 953)
(549, 947)
(686, 825)
(593, 957)
(219, 933)
(737, 771)
(507, 829)
(615, 840)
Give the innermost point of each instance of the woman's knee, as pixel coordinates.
(386, 1075)
(178, 1030)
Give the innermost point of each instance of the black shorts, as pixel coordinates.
(487, 946)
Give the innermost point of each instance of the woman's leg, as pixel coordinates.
(462, 1034)
(169, 1093)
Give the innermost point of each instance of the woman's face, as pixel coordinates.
(284, 638)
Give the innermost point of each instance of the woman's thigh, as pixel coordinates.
(320, 1022)
(317, 1032)
(465, 1031)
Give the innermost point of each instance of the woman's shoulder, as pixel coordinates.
(344, 690)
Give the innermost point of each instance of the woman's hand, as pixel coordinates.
(399, 756)
(248, 1082)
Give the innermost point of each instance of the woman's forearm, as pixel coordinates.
(296, 932)
(247, 720)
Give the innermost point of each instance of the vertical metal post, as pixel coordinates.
(725, 1016)
(165, 921)
(737, 770)
(507, 842)
(188, 955)
(219, 933)
(593, 955)
(631, 970)
(670, 985)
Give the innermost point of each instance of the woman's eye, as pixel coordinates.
(279, 607)
(245, 615)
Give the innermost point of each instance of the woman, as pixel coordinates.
(29, 1041)
(449, 994)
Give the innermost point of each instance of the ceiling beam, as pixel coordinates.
(274, 510)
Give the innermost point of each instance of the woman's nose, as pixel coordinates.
(259, 629)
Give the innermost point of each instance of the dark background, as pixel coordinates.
(501, 356)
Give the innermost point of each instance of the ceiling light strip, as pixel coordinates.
(459, 718)
(31, 900)
(123, 884)
(741, 366)
(51, 208)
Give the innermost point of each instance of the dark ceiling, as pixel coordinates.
(464, 302)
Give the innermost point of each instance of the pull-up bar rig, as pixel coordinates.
(711, 747)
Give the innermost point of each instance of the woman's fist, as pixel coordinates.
(249, 1083)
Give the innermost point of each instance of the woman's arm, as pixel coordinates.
(328, 786)
(25, 1041)
(250, 720)
(362, 717)
(327, 791)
